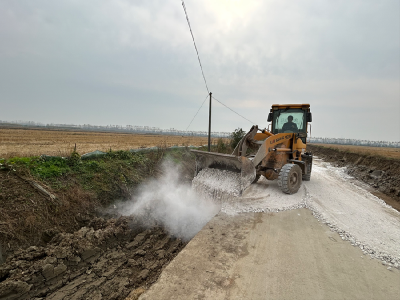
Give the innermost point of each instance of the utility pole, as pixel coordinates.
(209, 126)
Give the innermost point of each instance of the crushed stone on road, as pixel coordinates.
(217, 184)
(335, 198)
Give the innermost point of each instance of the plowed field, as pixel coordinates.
(32, 142)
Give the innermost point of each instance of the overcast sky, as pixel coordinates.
(133, 62)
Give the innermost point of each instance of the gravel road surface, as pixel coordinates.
(331, 240)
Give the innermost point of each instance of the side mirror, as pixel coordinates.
(309, 117)
(269, 117)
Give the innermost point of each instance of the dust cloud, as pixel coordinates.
(170, 202)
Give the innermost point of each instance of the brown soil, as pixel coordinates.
(35, 142)
(381, 173)
(28, 217)
(105, 260)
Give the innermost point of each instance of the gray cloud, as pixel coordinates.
(123, 62)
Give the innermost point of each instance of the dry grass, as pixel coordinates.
(33, 142)
(380, 151)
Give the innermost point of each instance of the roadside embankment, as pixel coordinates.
(105, 260)
(379, 172)
(42, 196)
(62, 236)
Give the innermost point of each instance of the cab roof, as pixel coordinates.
(277, 106)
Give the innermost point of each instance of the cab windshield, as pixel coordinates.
(289, 120)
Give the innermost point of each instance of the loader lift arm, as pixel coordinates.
(280, 153)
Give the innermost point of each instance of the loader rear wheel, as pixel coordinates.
(290, 178)
(308, 160)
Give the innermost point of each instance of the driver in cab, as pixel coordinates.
(289, 126)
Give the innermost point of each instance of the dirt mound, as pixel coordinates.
(379, 172)
(28, 217)
(105, 260)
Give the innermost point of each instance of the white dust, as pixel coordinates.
(170, 202)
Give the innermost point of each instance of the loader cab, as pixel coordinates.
(290, 118)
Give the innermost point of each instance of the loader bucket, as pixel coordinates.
(238, 164)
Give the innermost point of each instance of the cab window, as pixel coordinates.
(289, 120)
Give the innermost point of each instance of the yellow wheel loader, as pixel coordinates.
(279, 153)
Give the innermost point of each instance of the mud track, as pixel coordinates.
(105, 260)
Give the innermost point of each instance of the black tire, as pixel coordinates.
(308, 160)
(256, 179)
(290, 178)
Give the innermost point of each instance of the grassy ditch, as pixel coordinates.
(107, 177)
(81, 187)
(76, 189)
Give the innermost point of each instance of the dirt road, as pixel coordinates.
(331, 240)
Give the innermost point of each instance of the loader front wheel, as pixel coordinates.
(290, 178)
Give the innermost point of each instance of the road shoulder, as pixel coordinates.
(285, 255)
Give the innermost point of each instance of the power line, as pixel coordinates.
(233, 111)
(198, 56)
(197, 112)
(202, 72)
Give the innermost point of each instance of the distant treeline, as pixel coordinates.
(354, 142)
(118, 128)
(173, 131)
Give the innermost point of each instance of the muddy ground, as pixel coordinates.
(108, 259)
(382, 174)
